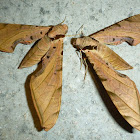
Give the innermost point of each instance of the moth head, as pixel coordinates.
(84, 43)
(58, 31)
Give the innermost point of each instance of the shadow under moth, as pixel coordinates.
(46, 82)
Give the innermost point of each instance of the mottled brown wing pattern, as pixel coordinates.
(40, 48)
(12, 34)
(45, 83)
(105, 52)
(36, 53)
(46, 86)
(121, 89)
(127, 30)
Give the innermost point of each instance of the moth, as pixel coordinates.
(121, 89)
(46, 81)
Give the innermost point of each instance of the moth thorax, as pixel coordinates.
(58, 30)
(84, 42)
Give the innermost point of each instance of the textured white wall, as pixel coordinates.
(83, 114)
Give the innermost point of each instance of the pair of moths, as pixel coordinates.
(46, 83)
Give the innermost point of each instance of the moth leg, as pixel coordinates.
(81, 34)
(81, 30)
(81, 59)
(86, 68)
(43, 58)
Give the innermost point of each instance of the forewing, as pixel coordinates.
(111, 57)
(104, 51)
(12, 34)
(127, 30)
(46, 86)
(36, 52)
(121, 89)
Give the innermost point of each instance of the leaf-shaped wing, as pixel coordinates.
(46, 86)
(43, 45)
(121, 89)
(12, 34)
(127, 30)
(58, 30)
(111, 57)
(36, 52)
(105, 52)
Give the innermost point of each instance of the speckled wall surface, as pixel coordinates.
(83, 115)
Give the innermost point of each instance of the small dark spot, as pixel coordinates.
(88, 51)
(31, 37)
(71, 136)
(42, 11)
(48, 56)
(42, 21)
(88, 48)
(41, 32)
(62, 53)
(113, 39)
(117, 24)
(92, 17)
(59, 36)
(107, 63)
(100, 11)
(54, 47)
(137, 64)
(129, 40)
(55, 73)
(92, 9)
(47, 12)
(121, 75)
(2, 95)
(36, 26)
(31, 133)
(23, 128)
(96, 19)
(95, 48)
(66, 4)
(5, 7)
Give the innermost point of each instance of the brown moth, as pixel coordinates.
(46, 82)
(121, 89)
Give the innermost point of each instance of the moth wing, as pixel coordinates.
(111, 57)
(12, 34)
(46, 86)
(104, 51)
(121, 89)
(35, 54)
(127, 30)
